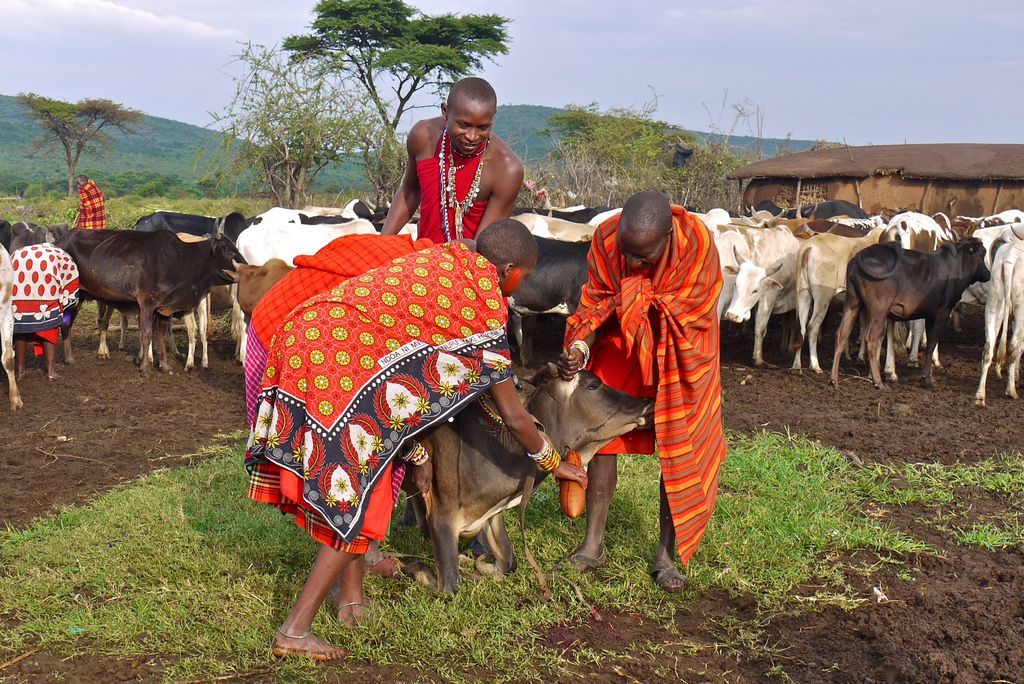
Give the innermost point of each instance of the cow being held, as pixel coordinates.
(480, 471)
(155, 273)
(890, 282)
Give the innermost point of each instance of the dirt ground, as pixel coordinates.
(961, 619)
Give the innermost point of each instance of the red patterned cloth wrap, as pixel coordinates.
(92, 210)
(355, 373)
(339, 260)
(429, 174)
(662, 329)
(45, 284)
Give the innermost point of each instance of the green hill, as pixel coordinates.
(163, 158)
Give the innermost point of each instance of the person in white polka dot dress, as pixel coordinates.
(45, 298)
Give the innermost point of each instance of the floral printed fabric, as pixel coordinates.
(355, 372)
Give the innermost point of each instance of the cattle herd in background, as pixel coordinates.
(902, 276)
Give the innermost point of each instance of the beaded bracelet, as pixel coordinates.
(584, 348)
(547, 459)
(417, 456)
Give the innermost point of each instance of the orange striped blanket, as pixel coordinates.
(679, 354)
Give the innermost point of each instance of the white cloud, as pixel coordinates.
(100, 18)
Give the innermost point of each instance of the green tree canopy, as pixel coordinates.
(394, 51)
(74, 127)
(287, 122)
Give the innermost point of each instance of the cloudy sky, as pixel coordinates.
(872, 71)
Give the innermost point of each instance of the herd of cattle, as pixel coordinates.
(904, 273)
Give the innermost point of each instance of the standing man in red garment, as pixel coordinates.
(460, 176)
(92, 211)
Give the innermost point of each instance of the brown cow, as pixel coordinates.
(255, 281)
(155, 273)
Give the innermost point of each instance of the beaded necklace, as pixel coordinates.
(449, 198)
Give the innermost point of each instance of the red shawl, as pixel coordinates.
(679, 354)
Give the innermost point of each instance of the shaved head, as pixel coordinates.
(507, 241)
(647, 213)
(475, 90)
(644, 229)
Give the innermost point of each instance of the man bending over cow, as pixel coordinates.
(459, 175)
(355, 374)
(647, 325)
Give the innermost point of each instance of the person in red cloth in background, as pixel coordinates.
(44, 297)
(647, 324)
(356, 373)
(460, 176)
(92, 212)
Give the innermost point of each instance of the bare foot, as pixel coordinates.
(351, 614)
(388, 566)
(306, 646)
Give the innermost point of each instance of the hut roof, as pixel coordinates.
(951, 161)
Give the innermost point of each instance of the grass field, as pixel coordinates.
(123, 212)
(182, 564)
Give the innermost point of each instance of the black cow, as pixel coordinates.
(231, 226)
(24, 234)
(889, 282)
(553, 287)
(152, 273)
(821, 210)
(477, 474)
(318, 220)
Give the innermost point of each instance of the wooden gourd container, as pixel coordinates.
(571, 495)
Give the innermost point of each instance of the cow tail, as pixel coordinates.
(803, 312)
(1005, 280)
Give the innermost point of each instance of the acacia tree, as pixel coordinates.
(394, 52)
(74, 127)
(287, 122)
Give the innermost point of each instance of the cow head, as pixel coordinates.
(225, 258)
(972, 255)
(584, 414)
(752, 281)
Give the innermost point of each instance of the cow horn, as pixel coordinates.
(218, 227)
(736, 255)
(773, 269)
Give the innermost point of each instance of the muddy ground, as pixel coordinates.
(961, 619)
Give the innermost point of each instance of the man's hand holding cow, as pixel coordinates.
(570, 363)
(568, 471)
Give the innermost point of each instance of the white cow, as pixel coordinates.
(733, 248)
(557, 229)
(7, 327)
(820, 277)
(280, 235)
(1005, 301)
(604, 216)
(768, 280)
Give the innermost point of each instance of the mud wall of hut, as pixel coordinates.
(893, 193)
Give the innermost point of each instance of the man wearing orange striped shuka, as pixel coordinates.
(647, 325)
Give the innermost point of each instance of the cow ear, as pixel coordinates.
(773, 283)
(541, 377)
(730, 270)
